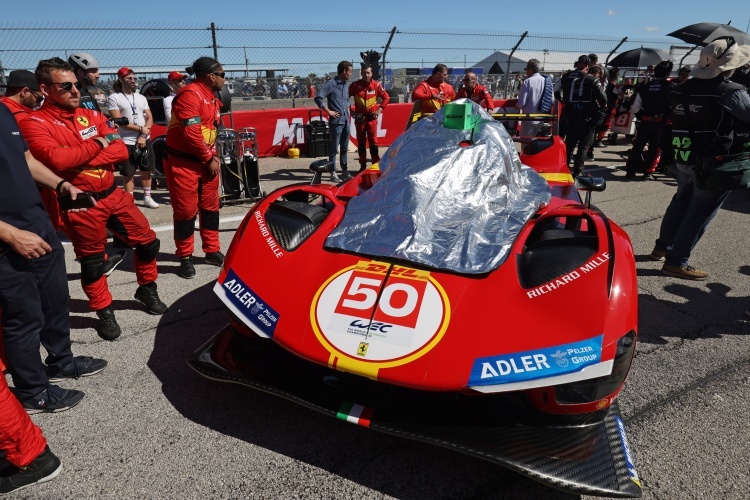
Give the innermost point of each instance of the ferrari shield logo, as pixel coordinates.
(83, 121)
(362, 349)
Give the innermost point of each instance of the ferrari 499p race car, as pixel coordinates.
(460, 294)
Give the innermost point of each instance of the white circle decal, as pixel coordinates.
(367, 318)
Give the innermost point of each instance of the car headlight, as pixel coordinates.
(588, 391)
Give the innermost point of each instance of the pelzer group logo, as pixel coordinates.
(374, 315)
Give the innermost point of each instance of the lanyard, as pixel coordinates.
(132, 106)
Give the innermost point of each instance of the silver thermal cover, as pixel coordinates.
(442, 205)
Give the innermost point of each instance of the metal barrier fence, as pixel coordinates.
(267, 62)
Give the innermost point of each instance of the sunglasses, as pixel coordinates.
(38, 97)
(67, 86)
(469, 80)
(220, 74)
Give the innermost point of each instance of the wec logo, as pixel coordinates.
(375, 326)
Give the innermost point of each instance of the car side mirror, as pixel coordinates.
(320, 166)
(590, 184)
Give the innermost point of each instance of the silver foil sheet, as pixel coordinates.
(442, 205)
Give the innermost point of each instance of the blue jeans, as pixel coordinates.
(687, 216)
(339, 142)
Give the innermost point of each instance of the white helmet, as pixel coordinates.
(83, 60)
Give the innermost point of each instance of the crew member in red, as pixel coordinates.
(366, 110)
(24, 446)
(22, 93)
(81, 147)
(434, 92)
(475, 91)
(192, 166)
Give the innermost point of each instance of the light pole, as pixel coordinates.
(247, 66)
(545, 52)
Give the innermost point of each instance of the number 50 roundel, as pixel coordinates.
(371, 317)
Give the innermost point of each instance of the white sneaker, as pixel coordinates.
(149, 202)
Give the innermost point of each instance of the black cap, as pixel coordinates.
(684, 69)
(22, 78)
(584, 59)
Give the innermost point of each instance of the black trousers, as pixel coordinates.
(657, 136)
(645, 134)
(34, 303)
(581, 131)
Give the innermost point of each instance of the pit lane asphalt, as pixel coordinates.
(149, 427)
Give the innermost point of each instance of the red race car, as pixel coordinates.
(461, 295)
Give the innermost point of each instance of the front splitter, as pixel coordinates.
(593, 459)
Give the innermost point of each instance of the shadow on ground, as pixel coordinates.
(696, 313)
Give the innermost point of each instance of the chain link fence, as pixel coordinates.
(276, 62)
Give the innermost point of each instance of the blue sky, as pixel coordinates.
(301, 37)
(633, 18)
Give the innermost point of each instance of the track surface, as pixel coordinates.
(149, 427)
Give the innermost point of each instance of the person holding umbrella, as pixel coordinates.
(707, 112)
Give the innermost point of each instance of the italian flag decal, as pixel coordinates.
(356, 414)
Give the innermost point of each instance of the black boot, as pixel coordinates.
(44, 468)
(187, 269)
(147, 295)
(108, 328)
(214, 258)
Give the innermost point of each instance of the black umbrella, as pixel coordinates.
(705, 33)
(638, 58)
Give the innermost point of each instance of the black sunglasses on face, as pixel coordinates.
(67, 86)
(220, 74)
(38, 97)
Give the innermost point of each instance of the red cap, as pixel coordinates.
(176, 75)
(124, 72)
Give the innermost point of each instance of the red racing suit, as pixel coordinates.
(364, 110)
(20, 439)
(479, 95)
(428, 92)
(63, 140)
(191, 139)
(19, 110)
(49, 197)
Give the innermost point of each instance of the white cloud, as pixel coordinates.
(611, 12)
(651, 28)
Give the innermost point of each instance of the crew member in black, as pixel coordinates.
(707, 113)
(651, 106)
(34, 285)
(562, 91)
(587, 105)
